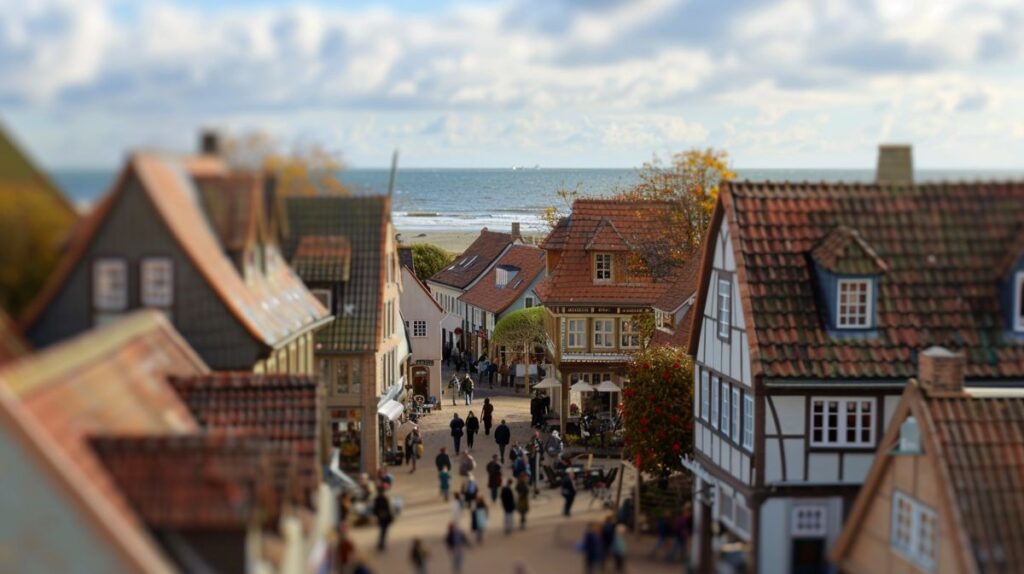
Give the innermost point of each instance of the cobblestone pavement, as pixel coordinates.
(547, 544)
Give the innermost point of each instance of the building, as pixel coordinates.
(450, 283)
(507, 287)
(815, 301)
(345, 250)
(944, 492)
(151, 243)
(672, 311)
(423, 318)
(594, 290)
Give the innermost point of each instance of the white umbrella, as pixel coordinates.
(549, 382)
(404, 430)
(582, 387)
(607, 387)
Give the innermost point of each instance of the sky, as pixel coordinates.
(556, 83)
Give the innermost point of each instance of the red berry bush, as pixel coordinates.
(657, 409)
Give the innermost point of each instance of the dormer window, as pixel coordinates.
(504, 274)
(603, 267)
(853, 308)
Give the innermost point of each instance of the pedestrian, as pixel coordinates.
(535, 411)
(456, 507)
(554, 446)
(681, 529)
(467, 464)
(502, 435)
(346, 549)
(456, 542)
(492, 371)
(568, 492)
(618, 548)
(382, 510)
(494, 477)
(515, 453)
(535, 452)
(472, 427)
(419, 555)
(467, 388)
(488, 416)
(508, 504)
(519, 465)
(385, 479)
(522, 499)
(663, 529)
(453, 386)
(444, 477)
(503, 374)
(590, 546)
(360, 566)
(479, 518)
(470, 490)
(607, 538)
(457, 425)
(442, 460)
(413, 448)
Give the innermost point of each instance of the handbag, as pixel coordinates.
(419, 450)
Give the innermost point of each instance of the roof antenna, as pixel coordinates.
(394, 170)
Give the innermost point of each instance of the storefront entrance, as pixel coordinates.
(421, 382)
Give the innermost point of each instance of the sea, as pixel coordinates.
(454, 199)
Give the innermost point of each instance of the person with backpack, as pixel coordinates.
(457, 425)
(502, 436)
(508, 504)
(472, 427)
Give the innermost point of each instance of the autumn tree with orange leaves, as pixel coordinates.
(309, 169)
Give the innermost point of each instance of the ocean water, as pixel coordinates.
(469, 199)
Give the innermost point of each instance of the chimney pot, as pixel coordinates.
(515, 230)
(941, 371)
(895, 165)
(209, 142)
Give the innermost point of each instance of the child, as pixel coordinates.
(445, 478)
(419, 556)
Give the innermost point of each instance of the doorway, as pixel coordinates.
(421, 382)
(809, 556)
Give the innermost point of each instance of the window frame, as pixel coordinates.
(715, 391)
(610, 334)
(529, 302)
(146, 268)
(419, 328)
(819, 514)
(725, 411)
(748, 421)
(705, 398)
(736, 429)
(841, 428)
(627, 338)
(868, 305)
(724, 306)
(912, 548)
(580, 335)
(329, 299)
(598, 271)
(103, 303)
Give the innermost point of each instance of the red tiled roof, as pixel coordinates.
(684, 284)
(479, 255)
(323, 258)
(607, 238)
(571, 281)
(844, 251)
(233, 204)
(488, 296)
(110, 380)
(678, 337)
(197, 481)
(280, 408)
(943, 244)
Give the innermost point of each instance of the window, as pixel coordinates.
(603, 333)
(629, 334)
(734, 431)
(914, 530)
(854, 309)
(714, 401)
(724, 308)
(726, 408)
(705, 400)
(1019, 307)
(748, 421)
(419, 328)
(808, 521)
(842, 422)
(157, 281)
(529, 302)
(323, 296)
(110, 285)
(603, 267)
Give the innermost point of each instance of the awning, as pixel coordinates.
(582, 387)
(549, 382)
(607, 387)
(391, 409)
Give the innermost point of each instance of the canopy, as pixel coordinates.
(607, 387)
(391, 409)
(582, 387)
(549, 382)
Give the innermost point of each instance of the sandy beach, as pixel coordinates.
(454, 241)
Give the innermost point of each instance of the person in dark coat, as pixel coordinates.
(457, 425)
(472, 427)
(494, 477)
(487, 416)
(502, 436)
(382, 510)
(535, 412)
(568, 493)
(508, 504)
(607, 538)
(591, 548)
(442, 460)
(523, 499)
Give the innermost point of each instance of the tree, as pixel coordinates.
(689, 184)
(657, 409)
(566, 195)
(521, 329)
(428, 259)
(309, 169)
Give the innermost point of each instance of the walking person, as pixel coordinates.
(508, 504)
(590, 546)
(472, 427)
(442, 460)
(457, 425)
(454, 385)
(479, 518)
(456, 542)
(502, 435)
(568, 493)
(488, 416)
(418, 555)
(382, 510)
(618, 548)
(413, 448)
(522, 499)
(444, 478)
(681, 529)
(469, 492)
(607, 538)
(494, 477)
(467, 464)
(467, 389)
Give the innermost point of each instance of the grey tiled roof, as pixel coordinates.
(363, 221)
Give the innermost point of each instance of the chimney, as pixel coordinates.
(941, 371)
(209, 142)
(895, 165)
(515, 230)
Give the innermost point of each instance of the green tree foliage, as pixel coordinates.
(428, 259)
(657, 409)
(519, 331)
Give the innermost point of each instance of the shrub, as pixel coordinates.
(657, 409)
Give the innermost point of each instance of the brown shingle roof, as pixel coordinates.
(323, 258)
(486, 294)
(844, 251)
(571, 281)
(234, 207)
(477, 257)
(678, 337)
(942, 242)
(685, 279)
